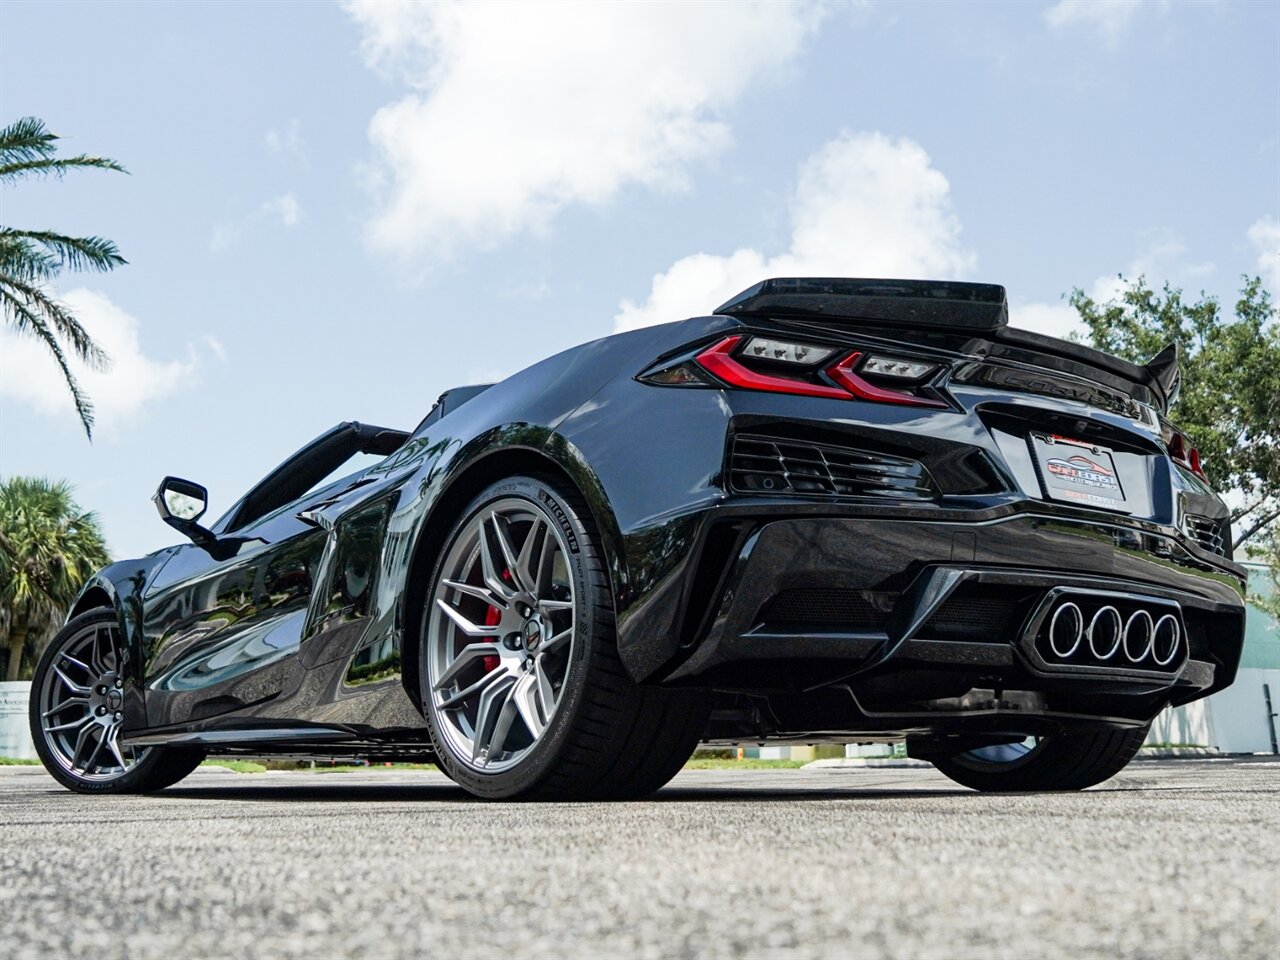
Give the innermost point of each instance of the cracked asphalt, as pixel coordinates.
(1170, 859)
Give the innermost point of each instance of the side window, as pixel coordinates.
(317, 464)
(345, 471)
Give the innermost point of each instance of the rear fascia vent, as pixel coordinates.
(759, 464)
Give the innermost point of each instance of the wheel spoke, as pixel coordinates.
(455, 699)
(547, 606)
(546, 565)
(553, 642)
(95, 654)
(490, 565)
(72, 725)
(113, 741)
(71, 684)
(524, 696)
(546, 692)
(488, 717)
(70, 701)
(80, 742)
(76, 663)
(526, 563)
(465, 625)
(480, 593)
(97, 748)
(466, 656)
(508, 554)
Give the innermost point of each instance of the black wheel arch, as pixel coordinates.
(556, 461)
(93, 597)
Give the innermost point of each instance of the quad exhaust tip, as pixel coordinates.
(1143, 638)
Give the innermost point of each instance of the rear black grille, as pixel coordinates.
(848, 610)
(768, 465)
(978, 614)
(1209, 533)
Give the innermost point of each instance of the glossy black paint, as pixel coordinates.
(298, 628)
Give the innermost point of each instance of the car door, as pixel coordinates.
(221, 631)
(224, 617)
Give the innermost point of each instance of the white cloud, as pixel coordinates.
(865, 205)
(284, 209)
(1162, 259)
(287, 142)
(1264, 235)
(518, 110)
(1109, 19)
(1053, 319)
(29, 374)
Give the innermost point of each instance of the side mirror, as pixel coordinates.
(181, 503)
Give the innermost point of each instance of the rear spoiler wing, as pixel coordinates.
(975, 307)
(980, 309)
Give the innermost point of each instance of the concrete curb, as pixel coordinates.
(838, 763)
(1168, 753)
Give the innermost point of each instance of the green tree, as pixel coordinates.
(48, 548)
(31, 259)
(1230, 400)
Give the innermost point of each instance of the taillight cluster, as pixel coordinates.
(1181, 451)
(801, 369)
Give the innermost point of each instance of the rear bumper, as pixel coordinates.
(911, 616)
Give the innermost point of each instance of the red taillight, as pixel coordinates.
(1182, 452)
(719, 360)
(1193, 461)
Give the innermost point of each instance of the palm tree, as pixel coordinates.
(31, 259)
(48, 548)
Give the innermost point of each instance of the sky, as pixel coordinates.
(337, 211)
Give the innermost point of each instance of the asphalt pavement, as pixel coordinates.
(1170, 859)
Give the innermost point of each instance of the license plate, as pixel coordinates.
(1077, 472)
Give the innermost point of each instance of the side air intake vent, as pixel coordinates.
(832, 609)
(768, 465)
(1210, 534)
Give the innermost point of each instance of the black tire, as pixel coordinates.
(609, 738)
(1059, 763)
(158, 768)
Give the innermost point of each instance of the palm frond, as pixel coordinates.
(24, 260)
(13, 170)
(62, 319)
(26, 139)
(75, 253)
(28, 322)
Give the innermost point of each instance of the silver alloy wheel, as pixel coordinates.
(82, 706)
(500, 634)
(1002, 752)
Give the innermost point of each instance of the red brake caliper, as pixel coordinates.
(492, 617)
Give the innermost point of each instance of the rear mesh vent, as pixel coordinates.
(979, 614)
(846, 610)
(1210, 534)
(767, 465)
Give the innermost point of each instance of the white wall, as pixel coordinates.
(15, 734)
(1233, 721)
(1240, 721)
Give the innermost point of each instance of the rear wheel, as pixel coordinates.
(524, 691)
(1064, 762)
(77, 715)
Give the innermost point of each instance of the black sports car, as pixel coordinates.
(847, 510)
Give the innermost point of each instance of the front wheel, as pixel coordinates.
(522, 685)
(1055, 763)
(77, 713)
